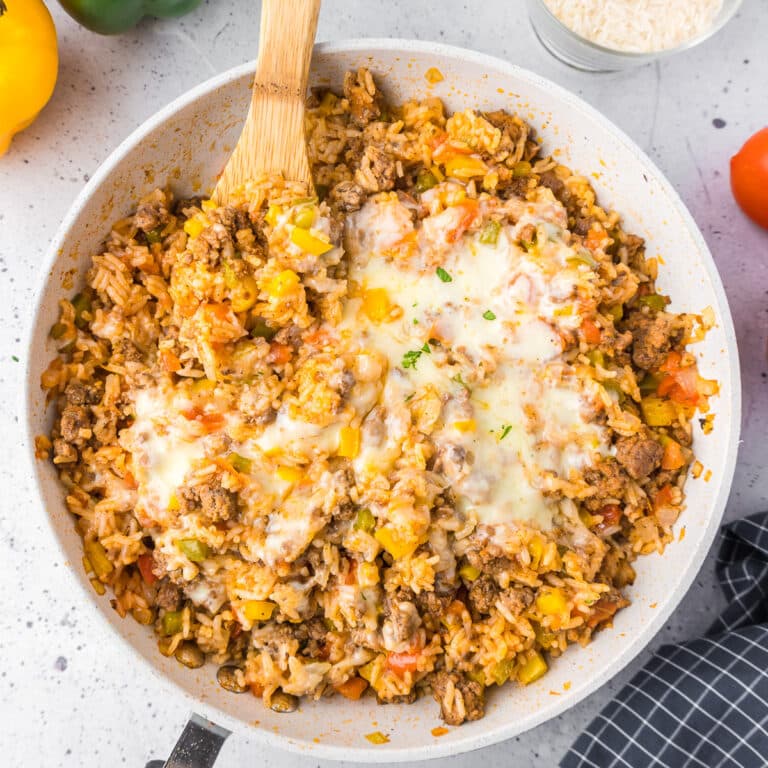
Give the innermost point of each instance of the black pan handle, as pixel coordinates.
(198, 746)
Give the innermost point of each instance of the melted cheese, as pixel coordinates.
(163, 448)
(488, 316)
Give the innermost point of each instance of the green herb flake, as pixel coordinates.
(443, 275)
(411, 357)
(14, 358)
(488, 315)
(460, 381)
(505, 430)
(415, 320)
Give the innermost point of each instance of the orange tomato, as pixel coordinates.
(466, 213)
(662, 497)
(279, 354)
(749, 177)
(595, 238)
(592, 333)
(673, 457)
(400, 663)
(210, 422)
(353, 688)
(169, 361)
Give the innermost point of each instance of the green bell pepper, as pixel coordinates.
(111, 17)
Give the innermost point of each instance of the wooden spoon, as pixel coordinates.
(273, 139)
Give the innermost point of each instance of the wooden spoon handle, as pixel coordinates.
(285, 47)
(273, 138)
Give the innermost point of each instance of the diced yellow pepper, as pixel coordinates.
(349, 442)
(437, 173)
(283, 283)
(244, 294)
(658, 412)
(376, 304)
(97, 556)
(551, 601)
(208, 205)
(502, 671)
(377, 737)
(536, 550)
(272, 214)
(533, 669)
(98, 586)
(465, 167)
(258, 610)
(366, 671)
(465, 425)
(469, 572)
(174, 505)
(304, 217)
(367, 574)
(290, 474)
(194, 226)
(396, 543)
(309, 242)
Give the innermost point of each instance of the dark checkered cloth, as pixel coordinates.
(702, 703)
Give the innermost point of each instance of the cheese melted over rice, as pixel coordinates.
(472, 333)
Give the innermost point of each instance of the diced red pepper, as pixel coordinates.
(279, 354)
(400, 663)
(662, 497)
(209, 421)
(592, 333)
(467, 212)
(611, 514)
(595, 238)
(146, 564)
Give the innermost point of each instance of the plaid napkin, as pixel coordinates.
(705, 702)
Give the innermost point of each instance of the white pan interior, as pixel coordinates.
(185, 146)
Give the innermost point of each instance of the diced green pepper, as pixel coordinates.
(262, 330)
(502, 671)
(649, 384)
(154, 235)
(583, 256)
(172, 622)
(616, 312)
(364, 521)
(58, 330)
(81, 303)
(523, 168)
(654, 301)
(490, 233)
(596, 357)
(425, 180)
(240, 463)
(193, 549)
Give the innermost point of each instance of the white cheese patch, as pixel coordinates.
(467, 307)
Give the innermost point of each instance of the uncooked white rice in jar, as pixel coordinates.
(639, 26)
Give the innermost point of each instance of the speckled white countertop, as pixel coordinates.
(67, 695)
